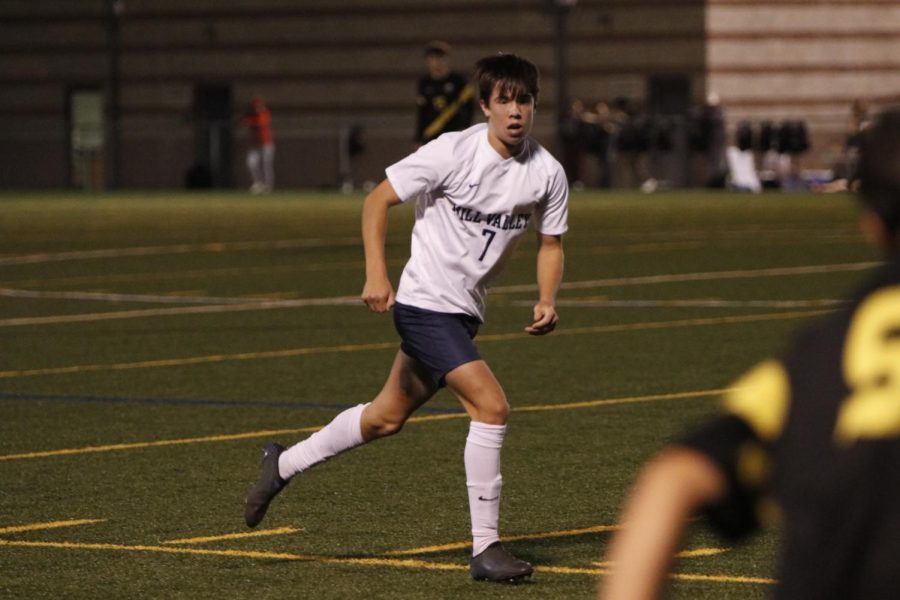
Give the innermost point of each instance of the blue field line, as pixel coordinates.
(199, 402)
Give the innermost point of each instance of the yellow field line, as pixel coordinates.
(161, 549)
(624, 400)
(701, 552)
(407, 563)
(49, 525)
(379, 562)
(196, 360)
(678, 576)
(280, 432)
(683, 554)
(217, 358)
(235, 536)
(511, 538)
(722, 578)
(159, 443)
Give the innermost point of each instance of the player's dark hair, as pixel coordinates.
(437, 48)
(516, 76)
(879, 170)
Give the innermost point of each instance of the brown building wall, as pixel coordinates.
(804, 60)
(325, 64)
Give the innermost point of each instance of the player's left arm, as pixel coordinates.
(550, 262)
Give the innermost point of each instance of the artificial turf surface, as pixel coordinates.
(140, 374)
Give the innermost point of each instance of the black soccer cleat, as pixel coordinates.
(266, 487)
(497, 564)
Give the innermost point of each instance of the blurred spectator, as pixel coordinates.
(859, 120)
(743, 176)
(794, 141)
(781, 147)
(601, 138)
(261, 155)
(775, 165)
(574, 134)
(632, 142)
(846, 168)
(444, 98)
(743, 136)
(709, 138)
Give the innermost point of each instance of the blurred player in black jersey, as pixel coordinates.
(444, 99)
(813, 438)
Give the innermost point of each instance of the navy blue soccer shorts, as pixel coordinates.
(439, 341)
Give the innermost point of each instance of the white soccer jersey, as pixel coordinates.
(472, 205)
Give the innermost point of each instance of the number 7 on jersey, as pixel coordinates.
(490, 233)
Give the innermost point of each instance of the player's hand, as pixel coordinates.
(545, 319)
(378, 295)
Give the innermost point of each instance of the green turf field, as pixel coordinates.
(151, 344)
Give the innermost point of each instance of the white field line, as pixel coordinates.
(699, 303)
(755, 232)
(186, 310)
(109, 278)
(604, 249)
(44, 257)
(750, 231)
(221, 305)
(701, 276)
(151, 298)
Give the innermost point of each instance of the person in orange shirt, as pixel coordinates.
(261, 155)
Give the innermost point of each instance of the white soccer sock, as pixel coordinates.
(343, 433)
(482, 460)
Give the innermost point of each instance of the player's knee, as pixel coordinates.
(494, 412)
(379, 426)
(390, 427)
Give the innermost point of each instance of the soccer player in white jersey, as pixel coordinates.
(476, 192)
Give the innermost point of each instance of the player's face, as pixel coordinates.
(509, 120)
(438, 66)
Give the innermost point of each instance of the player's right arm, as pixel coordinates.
(718, 469)
(378, 293)
(670, 489)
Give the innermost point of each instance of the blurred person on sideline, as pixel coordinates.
(261, 153)
(632, 142)
(602, 142)
(574, 138)
(713, 130)
(476, 192)
(444, 99)
(812, 438)
(846, 171)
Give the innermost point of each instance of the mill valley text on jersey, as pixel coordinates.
(502, 221)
